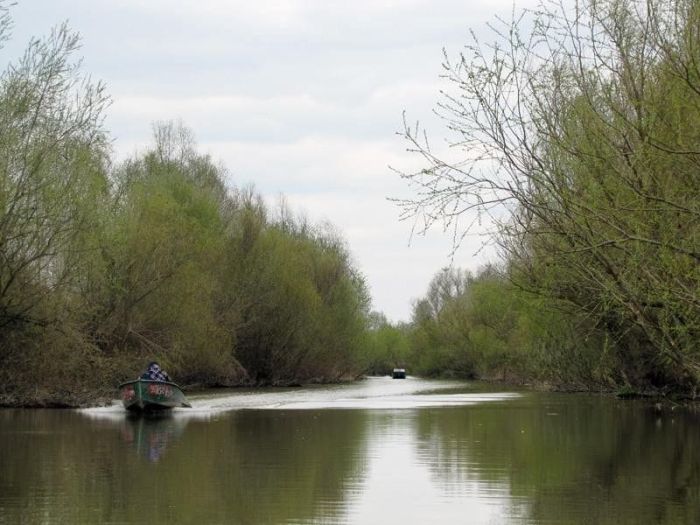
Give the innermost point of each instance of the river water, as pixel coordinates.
(378, 451)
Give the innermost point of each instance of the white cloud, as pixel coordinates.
(298, 97)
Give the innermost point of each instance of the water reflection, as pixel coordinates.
(150, 435)
(537, 458)
(570, 459)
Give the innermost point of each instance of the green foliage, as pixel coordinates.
(484, 326)
(202, 277)
(387, 346)
(440, 327)
(305, 317)
(163, 261)
(584, 128)
(109, 267)
(52, 171)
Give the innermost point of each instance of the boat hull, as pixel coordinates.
(144, 395)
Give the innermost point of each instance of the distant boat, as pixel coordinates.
(398, 373)
(145, 395)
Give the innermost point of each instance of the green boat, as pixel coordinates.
(144, 395)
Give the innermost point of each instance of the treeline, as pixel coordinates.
(105, 266)
(579, 131)
(483, 326)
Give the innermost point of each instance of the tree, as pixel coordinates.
(162, 289)
(53, 156)
(577, 131)
(305, 305)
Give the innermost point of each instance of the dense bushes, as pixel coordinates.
(305, 306)
(104, 267)
(387, 346)
(484, 326)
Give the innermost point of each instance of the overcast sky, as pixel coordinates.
(300, 98)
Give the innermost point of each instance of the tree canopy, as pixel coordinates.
(107, 265)
(576, 130)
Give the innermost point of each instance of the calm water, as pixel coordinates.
(375, 452)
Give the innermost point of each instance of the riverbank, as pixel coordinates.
(43, 399)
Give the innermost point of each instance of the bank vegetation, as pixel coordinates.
(107, 265)
(576, 129)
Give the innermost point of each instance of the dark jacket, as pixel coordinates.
(154, 373)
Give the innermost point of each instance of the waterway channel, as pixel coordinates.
(379, 451)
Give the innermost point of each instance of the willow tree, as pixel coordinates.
(161, 290)
(52, 170)
(303, 303)
(577, 130)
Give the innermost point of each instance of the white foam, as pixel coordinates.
(370, 394)
(396, 402)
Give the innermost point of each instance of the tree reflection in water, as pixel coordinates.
(564, 459)
(571, 458)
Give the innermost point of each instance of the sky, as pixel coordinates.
(297, 98)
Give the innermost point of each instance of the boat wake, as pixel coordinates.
(370, 394)
(396, 402)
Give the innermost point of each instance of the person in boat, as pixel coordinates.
(155, 373)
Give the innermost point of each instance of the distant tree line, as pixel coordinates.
(105, 266)
(483, 326)
(578, 131)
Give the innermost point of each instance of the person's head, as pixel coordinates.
(153, 366)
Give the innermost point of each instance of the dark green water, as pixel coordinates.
(377, 452)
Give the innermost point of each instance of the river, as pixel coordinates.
(379, 451)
